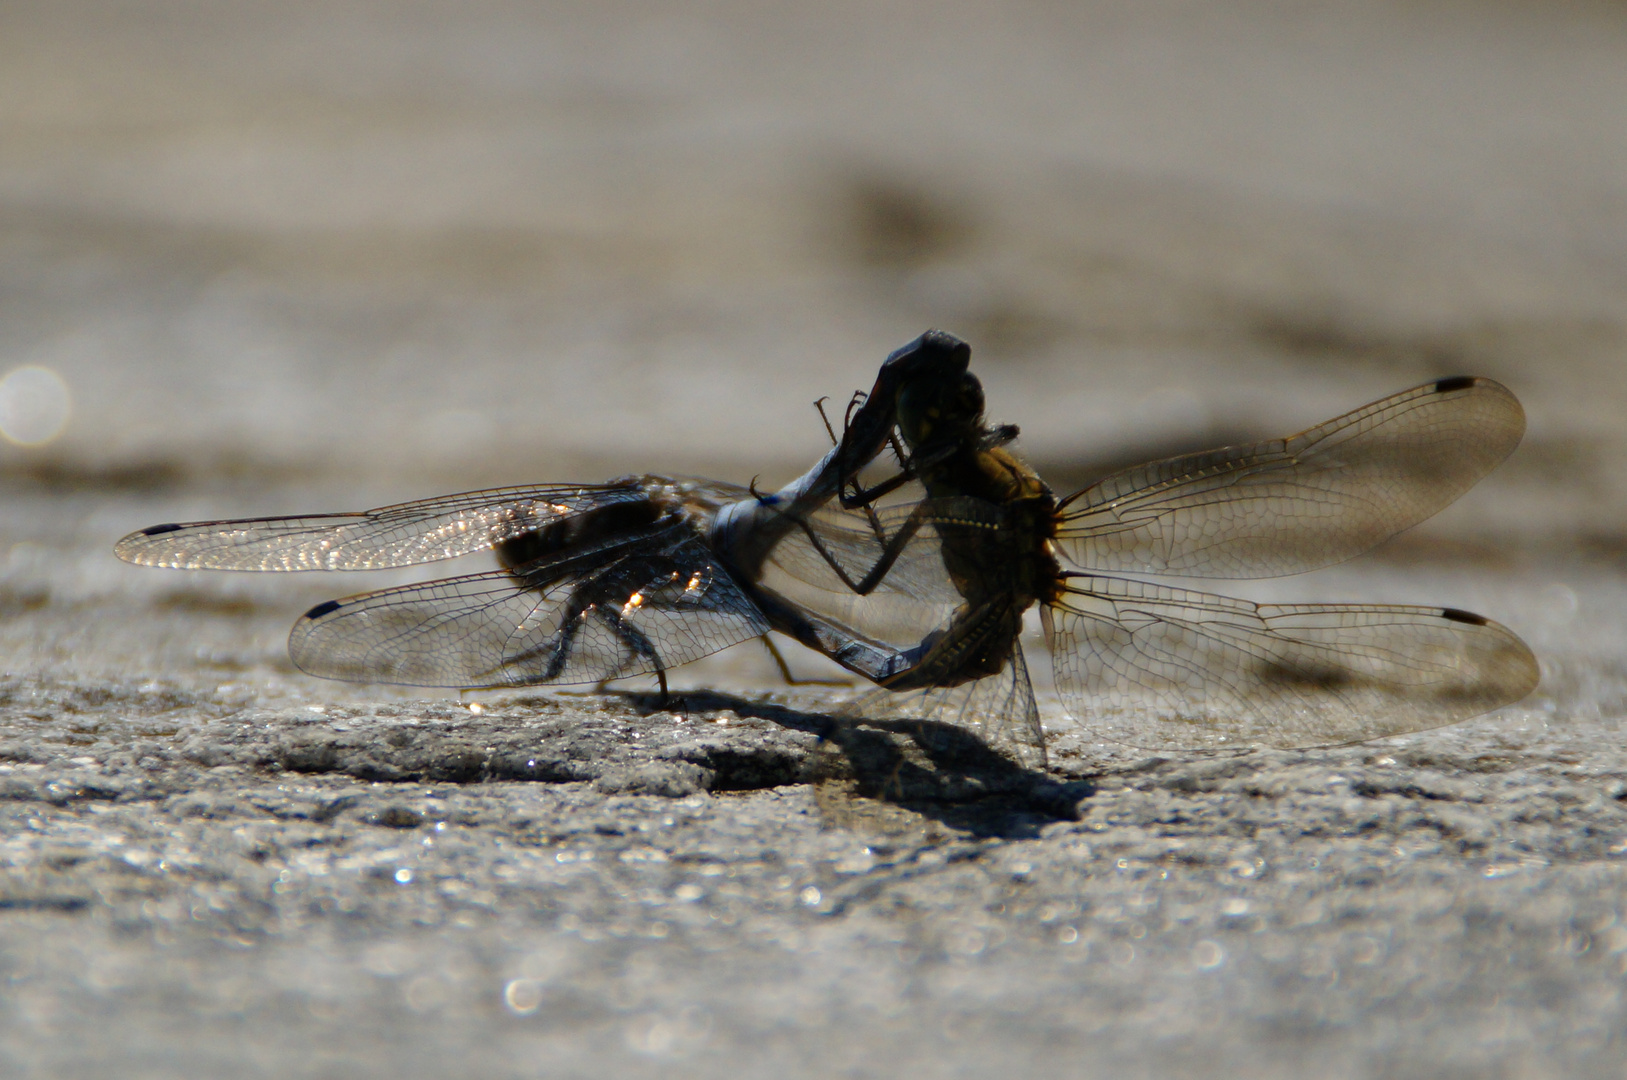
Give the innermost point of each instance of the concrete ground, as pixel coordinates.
(327, 256)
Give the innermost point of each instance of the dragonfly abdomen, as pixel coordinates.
(581, 531)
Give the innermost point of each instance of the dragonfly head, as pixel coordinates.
(935, 395)
(931, 367)
(941, 410)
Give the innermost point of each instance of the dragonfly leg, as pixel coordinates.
(785, 669)
(660, 676)
(599, 601)
(850, 462)
(849, 473)
(820, 406)
(859, 496)
(893, 547)
(910, 469)
(906, 471)
(638, 642)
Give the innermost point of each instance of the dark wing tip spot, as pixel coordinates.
(322, 609)
(1456, 382)
(1463, 616)
(159, 529)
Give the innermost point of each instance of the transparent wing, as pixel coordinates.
(1295, 504)
(939, 641)
(1164, 668)
(400, 535)
(642, 608)
(914, 597)
(1000, 709)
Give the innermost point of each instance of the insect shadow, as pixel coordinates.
(866, 770)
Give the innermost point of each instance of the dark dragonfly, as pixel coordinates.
(1155, 666)
(594, 582)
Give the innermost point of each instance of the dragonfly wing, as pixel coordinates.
(855, 543)
(915, 596)
(1002, 706)
(640, 609)
(1156, 667)
(1000, 709)
(400, 535)
(1291, 505)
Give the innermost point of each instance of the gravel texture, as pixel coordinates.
(591, 885)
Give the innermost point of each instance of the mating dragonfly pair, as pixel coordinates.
(926, 599)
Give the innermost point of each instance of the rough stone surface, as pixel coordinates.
(603, 886)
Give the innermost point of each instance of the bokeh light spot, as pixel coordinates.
(34, 405)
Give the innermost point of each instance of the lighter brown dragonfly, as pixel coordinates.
(1153, 665)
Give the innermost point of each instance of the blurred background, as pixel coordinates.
(261, 258)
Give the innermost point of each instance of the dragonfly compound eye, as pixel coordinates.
(936, 408)
(969, 403)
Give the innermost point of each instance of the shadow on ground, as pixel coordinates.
(872, 774)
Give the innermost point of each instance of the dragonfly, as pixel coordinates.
(593, 582)
(1150, 665)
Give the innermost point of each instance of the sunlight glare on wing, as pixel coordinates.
(403, 534)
